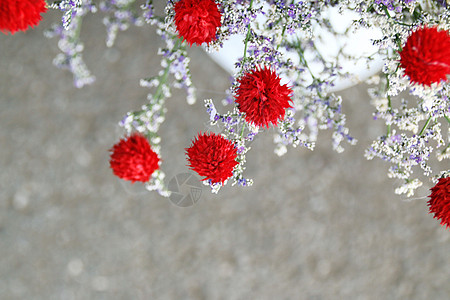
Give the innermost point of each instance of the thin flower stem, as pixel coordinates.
(76, 36)
(163, 78)
(445, 149)
(425, 126)
(389, 105)
(162, 81)
(282, 36)
(448, 119)
(390, 109)
(448, 146)
(242, 131)
(386, 11)
(305, 63)
(247, 37)
(158, 95)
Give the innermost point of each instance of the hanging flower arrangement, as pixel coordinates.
(284, 79)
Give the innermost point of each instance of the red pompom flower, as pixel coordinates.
(426, 56)
(18, 15)
(133, 159)
(213, 156)
(262, 98)
(197, 20)
(439, 202)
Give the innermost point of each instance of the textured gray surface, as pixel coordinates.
(315, 225)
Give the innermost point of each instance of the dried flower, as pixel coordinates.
(262, 98)
(439, 202)
(197, 21)
(426, 56)
(213, 156)
(133, 159)
(18, 15)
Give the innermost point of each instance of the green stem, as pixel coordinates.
(448, 146)
(445, 149)
(386, 12)
(76, 35)
(425, 126)
(242, 131)
(247, 37)
(390, 109)
(448, 119)
(162, 81)
(282, 36)
(305, 63)
(389, 105)
(163, 78)
(157, 96)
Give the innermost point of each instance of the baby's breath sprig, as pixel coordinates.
(120, 16)
(70, 43)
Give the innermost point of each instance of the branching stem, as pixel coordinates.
(247, 37)
(425, 126)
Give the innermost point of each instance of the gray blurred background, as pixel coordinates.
(315, 225)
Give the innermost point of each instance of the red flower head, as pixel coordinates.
(212, 156)
(133, 159)
(17, 15)
(426, 56)
(262, 98)
(197, 20)
(439, 202)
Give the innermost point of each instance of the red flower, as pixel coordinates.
(439, 202)
(212, 156)
(262, 98)
(133, 159)
(197, 20)
(426, 56)
(17, 15)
